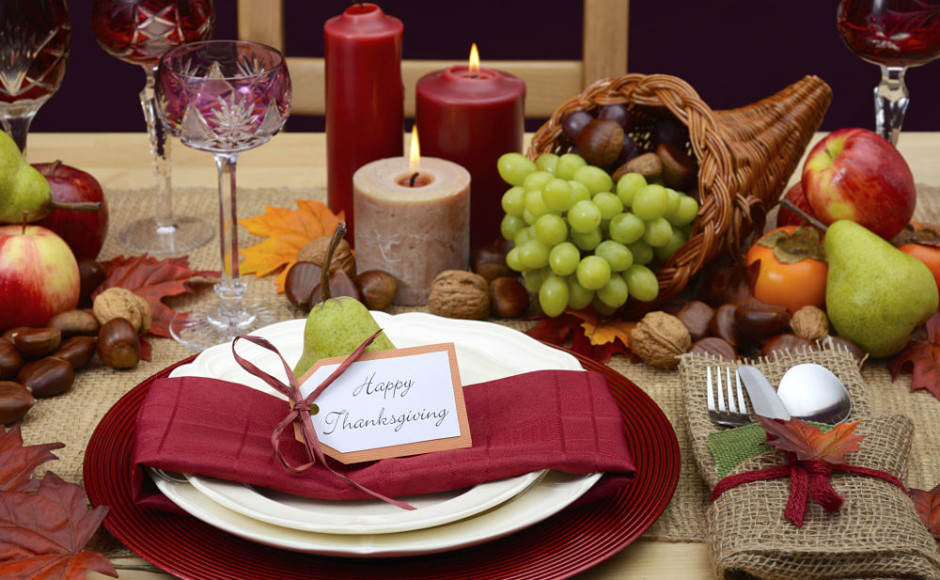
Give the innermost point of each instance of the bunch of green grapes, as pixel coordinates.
(579, 239)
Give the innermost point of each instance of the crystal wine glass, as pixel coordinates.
(34, 46)
(139, 32)
(224, 97)
(895, 35)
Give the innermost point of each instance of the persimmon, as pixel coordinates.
(922, 241)
(786, 267)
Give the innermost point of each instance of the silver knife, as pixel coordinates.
(763, 397)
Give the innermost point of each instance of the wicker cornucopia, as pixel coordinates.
(745, 158)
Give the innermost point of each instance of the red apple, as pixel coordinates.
(857, 175)
(38, 276)
(797, 197)
(83, 231)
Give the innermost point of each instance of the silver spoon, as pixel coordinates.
(813, 393)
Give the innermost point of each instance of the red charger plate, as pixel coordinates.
(561, 546)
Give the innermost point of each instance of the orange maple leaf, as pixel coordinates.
(604, 330)
(287, 232)
(808, 442)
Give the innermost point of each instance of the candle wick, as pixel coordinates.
(411, 182)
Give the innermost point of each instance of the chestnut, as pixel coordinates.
(15, 401)
(508, 297)
(10, 359)
(118, 344)
(697, 317)
(714, 347)
(783, 343)
(36, 342)
(378, 289)
(77, 350)
(47, 376)
(600, 142)
(301, 279)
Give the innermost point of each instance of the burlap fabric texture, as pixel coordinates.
(876, 533)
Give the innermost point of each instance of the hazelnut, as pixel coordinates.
(122, 303)
(659, 338)
(600, 142)
(811, 323)
(36, 342)
(378, 289)
(459, 294)
(47, 376)
(75, 322)
(10, 360)
(508, 297)
(15, 401)
(343, 257)
(118, 344)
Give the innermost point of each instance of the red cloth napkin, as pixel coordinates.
(564, 420)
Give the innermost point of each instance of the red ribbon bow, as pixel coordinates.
(809, 478)
(300, 410)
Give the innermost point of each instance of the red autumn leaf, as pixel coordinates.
(152, 280)
(19, 463)
(927, 505)
(597, 339)
(924, 358)
(555, 330)
(808, 442)
(44, 533)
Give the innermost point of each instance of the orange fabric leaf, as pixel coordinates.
(287, 231)
(808, 442)
(924, 358)
(927, 505)
(604, 330)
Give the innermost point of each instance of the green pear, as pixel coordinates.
(337, 326)
(25, 194)
(876, 295)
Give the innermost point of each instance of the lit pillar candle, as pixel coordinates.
(364, 97)
(471, 116)
(413, 220)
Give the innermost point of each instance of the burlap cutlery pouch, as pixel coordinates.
(875, 534)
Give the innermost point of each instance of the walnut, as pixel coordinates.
(343, 256)
(121, 303)
(811, 323)
(659, 338)
(459, 294)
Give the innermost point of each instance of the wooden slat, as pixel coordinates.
(604, 46)
(262, 21)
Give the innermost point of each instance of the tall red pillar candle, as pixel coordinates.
(471, 117)
(365, 98)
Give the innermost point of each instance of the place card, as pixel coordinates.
(390, 403)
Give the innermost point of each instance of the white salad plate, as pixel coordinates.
(457, 519)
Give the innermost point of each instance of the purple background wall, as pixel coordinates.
(733, 52)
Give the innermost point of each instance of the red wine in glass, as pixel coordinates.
(34, 47)
(895, 35)
(140, 32)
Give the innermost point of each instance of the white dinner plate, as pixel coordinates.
(553, 493)
(484, 352)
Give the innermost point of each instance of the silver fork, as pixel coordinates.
(734, 414)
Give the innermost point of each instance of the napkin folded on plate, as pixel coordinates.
(875, 534)
(564, 420)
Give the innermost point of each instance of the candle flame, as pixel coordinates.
(414, 155)
(474, 66)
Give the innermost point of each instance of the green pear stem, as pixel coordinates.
(338, 234)
(812, 220)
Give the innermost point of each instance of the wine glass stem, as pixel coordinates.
(160, 152)
(231, 289)
(891, 101)
(17, 126)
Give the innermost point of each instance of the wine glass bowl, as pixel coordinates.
(140, 32)
(34, 48)
(224, 97)
(894, 35)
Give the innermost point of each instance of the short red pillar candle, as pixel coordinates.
(471, 117)
(364, 97)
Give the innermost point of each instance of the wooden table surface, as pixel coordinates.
(121, 160)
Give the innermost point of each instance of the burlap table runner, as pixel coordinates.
(71, 418)
(875, 534)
